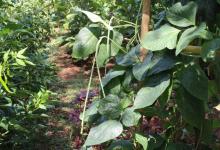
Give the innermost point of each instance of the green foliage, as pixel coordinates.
(142, 140)
(193, 75)
(110, 107)
(85, 43)
(191, 34)
(182, 16)
(130, 118)
(177, 87)
(104, 132)
(209, 48)
(152, 90)
(25, 73)
(158, 40)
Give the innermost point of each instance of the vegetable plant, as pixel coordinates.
(173, 91)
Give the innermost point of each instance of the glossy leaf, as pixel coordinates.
(114, 47)
(110, 106)
(130, 118)
(116, 42)
(164, 37)
(140, 69)
(161, 62)
(191, 34)
(104, 132)
(95, 18)
(112, 74)
(147, 95)
(182, 16)
(92, 110)
(102, 55)
(85, 42)
(142, 140)
(130, 58)
(113, 87)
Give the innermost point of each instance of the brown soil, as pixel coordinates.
(65, 64)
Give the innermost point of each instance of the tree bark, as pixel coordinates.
(145, 24)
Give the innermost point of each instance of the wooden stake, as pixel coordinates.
(145, 24)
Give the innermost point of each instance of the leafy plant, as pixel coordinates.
(171, 83)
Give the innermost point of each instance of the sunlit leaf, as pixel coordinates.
(164, 37)
(85, 42)
(104, 132)
(95, 18)
(142, 140)
(130, 118)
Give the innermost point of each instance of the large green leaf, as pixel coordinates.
(85, 42)
(130, 118)
(182, 16)
(92, 110)
(164, 37)
(130, 58)
(209, 48)
(115, 44)
(218, 1)
(112, 74)
(110, 106)
(142, 140)
(113, 87)
(190, 107)
(140, 69)
(191, 34)
(161, 62)
(147, 95)
(102, 55)
(127, 80)
(195, 82)
(104, 132)
(114, 47)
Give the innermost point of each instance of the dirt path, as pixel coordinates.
(72, 77)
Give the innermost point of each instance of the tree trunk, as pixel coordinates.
(145, 24)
